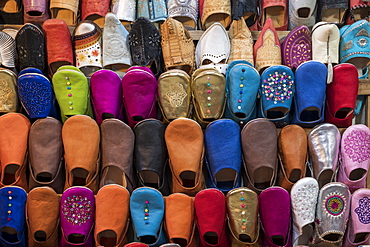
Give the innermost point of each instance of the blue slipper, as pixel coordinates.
(35, 93)
(277, 90)
(13, 216)
(242, 84)
(223, 154)
(310, 94)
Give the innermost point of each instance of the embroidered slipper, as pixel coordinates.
(248, 10)
(65, 10)
(355, 157)
(58, 44)
(11, 12)
(87, 45)
(332, 11)
(213, 48)
(8, 91)
(241, 42)
(155, 11)
(310, 94)
(242, 85)
(296, 47)
(95, 10)
(302, 13)
(174, 94)
(35, 11)
(124, 9)
(8, 51)
(116, 52)
(185, 12)
(333, 207)
(359, 9)
(35, 93)
(223, 162)
(304, 199)
(358, 232)
(215, 12)
(277, 10)
(177, 46)
(341, 95)
(323, 146)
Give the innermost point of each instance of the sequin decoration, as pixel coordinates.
(357, 146)
(334, 204)
(77, 210)
(363, 210)
(304, 201)
(35, 97)
(278, 87)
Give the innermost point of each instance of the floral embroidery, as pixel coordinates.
(4, 92)
(154, 39)
(278, 87)
(177, 94)
(81, 57)
(77, 210)
(95, 53)
(363, 210)
(133, 40)
(357, 146)
(334, 205)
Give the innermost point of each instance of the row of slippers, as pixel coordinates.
(255, 12)
(142, 151)
(319, 216)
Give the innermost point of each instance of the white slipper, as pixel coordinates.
(7, 50)
(124, 9)
(302, 12)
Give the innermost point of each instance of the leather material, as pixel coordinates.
(186, 165)
(209, 95)
(111, 216)
(155, 11)
(297, 18)
(13, 149)
(10, 17)
(8, 91)
(31, 54)
(223, 162)
(325, 43)
(355, 157)
(292, 144)
(124, 9)
(135, 245)
(67, 6)
(177, 46)
(333, 208)
(240, 7)
(266, 50)
(296, 48)
(117, 153)
(280, 198)
(242, 85)
(356, 6)
(243, 220)
(259, 155)
(213, 45)
(116, 51)
(147, 214)
(278, 19)
(310, 94)
(8, 52)
(358, 222)
(241, 42)
(179, 219)
(323, 146)
(42, 214)
(38, 6)
(139, 94)
(353, 43)
(106, 95)
(174, 94)
(94, 7)
(13, 224)
(145, 45)
(81, 137)
(150, 154)
(210, 212)
(341, 95)
(72, 92)
(277, 91)
(46, 154)
(304, 199)
(215, 12)
(77, 210)
(185, 11)
(58, 44)
(35, 93)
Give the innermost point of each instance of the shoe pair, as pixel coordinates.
(205, 89)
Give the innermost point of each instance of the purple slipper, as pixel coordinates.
(77, 209)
